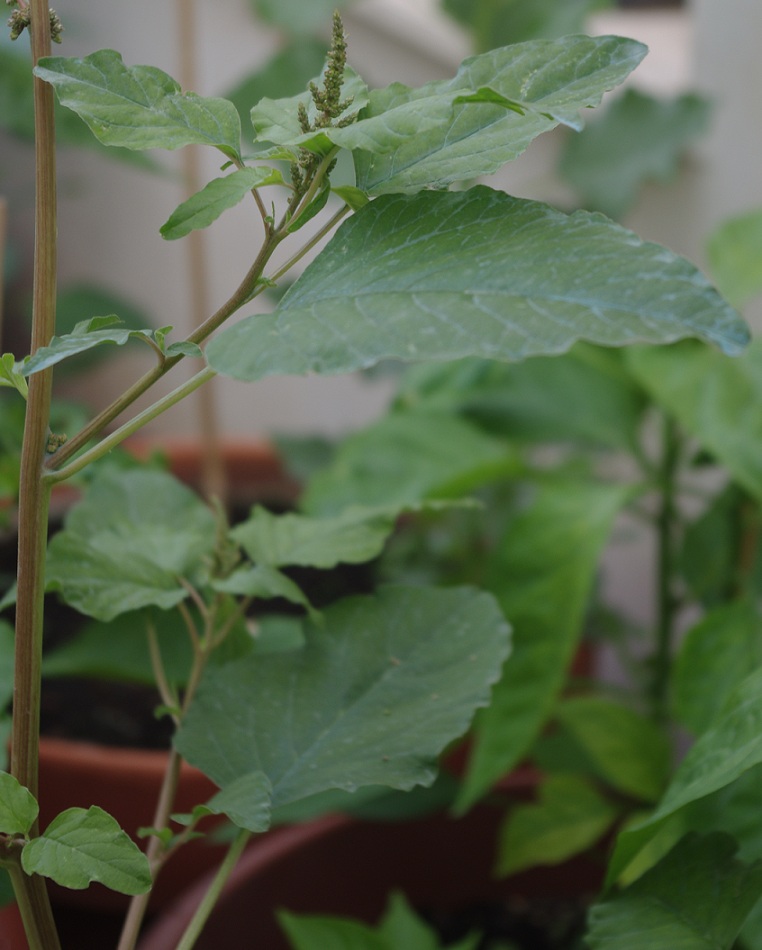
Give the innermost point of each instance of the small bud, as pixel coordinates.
(56, 27)
(18, 22)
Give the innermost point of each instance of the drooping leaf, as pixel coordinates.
(377, 691)
(639, 138)
(17, 111)
(735, 257)
(729, 747)
(84, 845)
(627, 750)
(696, 897)
(485, 116)
(246, 802)
(18, 808)
(543, 591)
(139, 107)
(86, 335)
(444, 275)
(569, 817)
(203, 208)
(403, 458)
(716, 655)
(128, 542)
(717, 400)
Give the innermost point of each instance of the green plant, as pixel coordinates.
(417, 272)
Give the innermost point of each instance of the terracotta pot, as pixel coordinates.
(342, 866)
(11, 929)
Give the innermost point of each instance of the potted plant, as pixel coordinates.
(372, 687)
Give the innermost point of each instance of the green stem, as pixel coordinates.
(204, 909)
(34, 496)
(129, 428)
(666, 522)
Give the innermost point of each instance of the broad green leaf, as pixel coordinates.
(246, 802)
(296, 16)
(312, 933)
(84, 845)
(444, 275)
(716, 655)
(200, 210)
(128, 542)
(403, 458)
(717, 400)
(139, 107)
(457, 129)
(18, 808)
(7, 652)
(695, 898)
(380, 687)
(569, 817)
(262, 582)
(543, 591)
(730, 746)
(118, 649)
(735, 257)
(86, 335)
(639, 138)
(584, 396)
(627, 750)
(355, 535)
(499, 22)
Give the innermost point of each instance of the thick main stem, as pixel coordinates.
(33, 493)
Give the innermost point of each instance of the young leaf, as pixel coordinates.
(543, 591)
(486, 115)
(84, 845)
(310, 933)
(627, 750)
(638, 139)
(717, 400)
(18, 808)
(200, 210)
(127, 543)
(444, 275)
(696, 897)
(378, 690)
(139, 107)
(569, 817)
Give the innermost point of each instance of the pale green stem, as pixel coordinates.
(131, 427)
(315, 239)
(205, 908)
